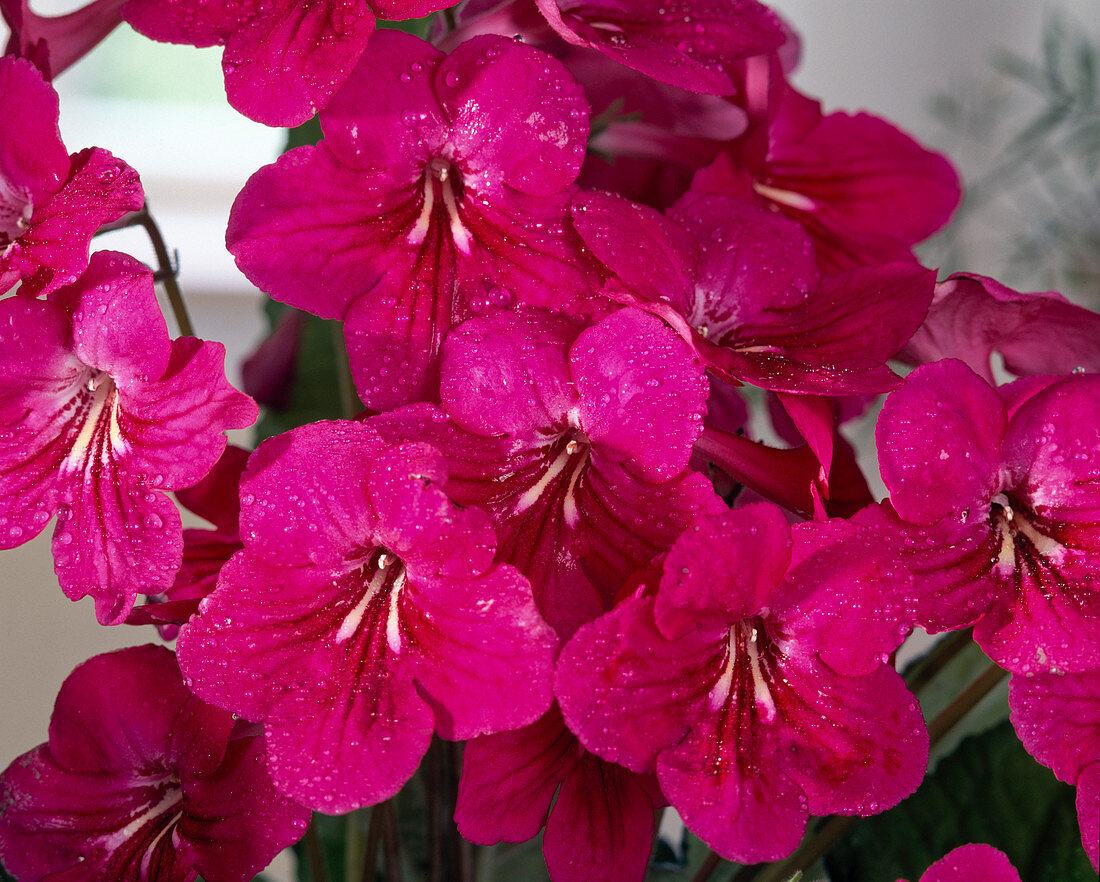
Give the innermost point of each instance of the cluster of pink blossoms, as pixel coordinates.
(563, 240)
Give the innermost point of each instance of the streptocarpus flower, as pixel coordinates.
(441, 189)
(100, 414)
(283, 60)
(600, 826)
(1057, 717)
(50, 203)
(364, 613)
(577, 443)
(998, 493)
(54, 42)
(754, 681)
(141, 782)
(971, 317)
(742, 287)
(864, 190)
(971, 863)
(691, 44)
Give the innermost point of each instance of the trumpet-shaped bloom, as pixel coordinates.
(1057, 717)
(283, 60)
(971, 317)
(864, 190)
(998, 493)
(100, 414)
(141, 782)
(692, 44)
(50, 203)
(576, 441)
(440, 191)
(364, 613)
(600, 826)
(742, 286)
(53, 42)
(754, 681)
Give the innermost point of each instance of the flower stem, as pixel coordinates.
(374, 839)
(166, 269)
(316, 854)
(349, 401)
(166, 273)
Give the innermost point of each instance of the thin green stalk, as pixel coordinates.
(166, 272)
(349, 399)
(374, 839)
(315, 853)
(353, 845)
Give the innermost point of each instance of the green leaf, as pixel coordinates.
(989, 790)
(316, 384)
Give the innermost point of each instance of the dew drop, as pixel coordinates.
(452, 79)
(500, 296)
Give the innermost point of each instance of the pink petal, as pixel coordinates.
(942, 405)
(329, 514)
(535, 152)
(386, 118)
(737, 799)
(974, 316)
(1088, 812)
(508, 373)
(695, 590)
(99, 189)
(625, 703)
(1057, 717)
(485, 654)
(113, 539)
(641, 392)
(33, 161)
(509, 780)
(858, 744)
(289, 58)
(687, 43)
(134, 345)
(601, 828)
(344, 723)
(972, 862)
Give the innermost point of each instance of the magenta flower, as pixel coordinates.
(997, 493)
(691, 44)
(100, 414)
(205, 552)
(742, 286)
(441, 190)
(364, 613)
(754, 681)
(54, 42)
(1057, 717)
(50, 203)
(576, 441)
(141, 781)
(600, 826)
(971, 863)
(864, 190)
(283, 60)
(971, 317)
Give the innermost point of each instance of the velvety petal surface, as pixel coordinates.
(972, 862)
(141, 781)
(946, 402)
(687, 43)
